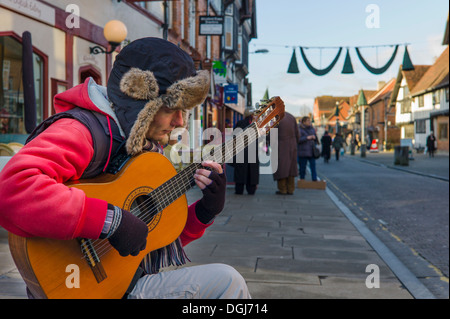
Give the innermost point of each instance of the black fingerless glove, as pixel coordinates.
(213, 199)
(127, 234)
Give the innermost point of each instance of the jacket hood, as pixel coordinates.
(88, 95)
(147, 74)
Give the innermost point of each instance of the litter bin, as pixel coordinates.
(401, 155)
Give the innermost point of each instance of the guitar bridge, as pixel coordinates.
(92, 259)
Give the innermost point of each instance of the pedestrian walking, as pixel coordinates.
(246, 171)
(338, 143)
(288, 138)
(305, 153)
(431, 144)
(326, 146)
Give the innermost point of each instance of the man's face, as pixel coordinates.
(163, 123)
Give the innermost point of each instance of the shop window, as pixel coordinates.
(12, 113)
(421, 126)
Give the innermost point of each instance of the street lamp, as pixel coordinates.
(362, 102)
(115, 32)
(263, 51)
(336, 113)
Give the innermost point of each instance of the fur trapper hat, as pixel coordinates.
(147, 74)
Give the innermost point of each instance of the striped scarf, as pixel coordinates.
(170, 255)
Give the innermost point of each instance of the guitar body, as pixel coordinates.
(53, 268)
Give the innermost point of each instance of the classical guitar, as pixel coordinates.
(154, 192)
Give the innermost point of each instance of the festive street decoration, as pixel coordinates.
(407, 64)
(293, 66)
(318, 71)
(348, 67)
(377, 70)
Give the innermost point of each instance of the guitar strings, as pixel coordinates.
(173, 184)
(185, 174)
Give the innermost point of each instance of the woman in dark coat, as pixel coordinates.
(288, 137)
(431, 144)
(246, 173)
(326, 146)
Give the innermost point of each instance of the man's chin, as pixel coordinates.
(164, 139)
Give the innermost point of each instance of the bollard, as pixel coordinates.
(401, 155)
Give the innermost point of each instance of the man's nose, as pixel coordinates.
(177, 119)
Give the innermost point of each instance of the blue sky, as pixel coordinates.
(284, 24)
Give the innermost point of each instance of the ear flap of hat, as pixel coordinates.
(136, 139)
(139, 84)
(189, 92)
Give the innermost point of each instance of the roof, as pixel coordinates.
(434, 76)
(411, 76)
(328, 103)
(414, 76)
(383, 92)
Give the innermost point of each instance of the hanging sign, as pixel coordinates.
(211, 25)
(230, 94)
(220, 71)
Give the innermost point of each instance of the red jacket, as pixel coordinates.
(33, 199)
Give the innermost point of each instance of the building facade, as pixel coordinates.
(381, 118)
(401, 99)
(430, 106)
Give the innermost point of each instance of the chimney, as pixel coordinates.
(380, 85)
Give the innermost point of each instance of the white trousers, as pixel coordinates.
(212, 281)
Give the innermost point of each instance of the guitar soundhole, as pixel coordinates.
(143, 206)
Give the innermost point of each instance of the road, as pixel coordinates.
(408, 212)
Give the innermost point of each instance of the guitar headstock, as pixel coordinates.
(269, 114)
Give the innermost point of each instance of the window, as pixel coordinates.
(421, 101)
(405, 90)
(405, 106)
(436, 97)
(409, 131)
(12, 113)
(230, 29)
(421, 126)
(443, 131)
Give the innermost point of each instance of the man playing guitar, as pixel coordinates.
(152, 85)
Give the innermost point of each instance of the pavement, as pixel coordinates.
(302, 246)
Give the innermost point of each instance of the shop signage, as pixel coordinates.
(220, 71)
(230, 94)
(211, 25)
(32, 8)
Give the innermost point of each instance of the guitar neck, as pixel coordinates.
(184, 180)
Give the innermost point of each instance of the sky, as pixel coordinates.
(285, 24)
